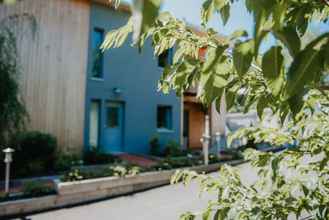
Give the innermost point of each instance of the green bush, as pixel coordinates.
(178, 162)
(73, 175)
(36, 188)
(119, 170)
(66, 161)
(155, 146)
(35, 153)
(213, 158)
(173, 149)
(94, 157)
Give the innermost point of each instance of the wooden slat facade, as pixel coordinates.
(54, 65)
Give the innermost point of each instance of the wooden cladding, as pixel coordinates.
(53, 59)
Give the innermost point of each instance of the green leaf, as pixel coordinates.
(279, 14)
(219, 4)
(289, 37)
(116, 38)
(206, 215)
(207, 11)
(275, 167)
(213, 57)
(187, 216)
(325, 54)
(261, 105)
(273, 67)
(225, 13)
(306, 66)
(221, 213)
(242, 56)
(272, 62)
(238, 33)
(230, 98)
(219, 81)
(145, 13)
(296, 103)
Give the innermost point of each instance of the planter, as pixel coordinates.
(113, 183)
(75, 193)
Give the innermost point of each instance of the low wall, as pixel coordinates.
(75, 193)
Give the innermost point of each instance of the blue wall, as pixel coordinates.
(137, 76)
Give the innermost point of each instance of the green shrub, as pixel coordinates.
(173, 149)
(73, 175)
(35, 153)
(155, 146)
(119, 170)
(36, 188)
(178, 162)
(66, 161)
(93, 157)
(213, 158)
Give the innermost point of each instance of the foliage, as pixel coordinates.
(290, 84)
(73, 175)
(12, 110)
(173, 149)
(155, 146)
(118, 170)
(36, 188)
(233, 63)
(178, 162)
(35, 153)
(94, 156)
(294, 182)
(66, 161)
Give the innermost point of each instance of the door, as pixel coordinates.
(113, 132)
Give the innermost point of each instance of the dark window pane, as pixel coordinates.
(165, 58)
(186, 124)
(164, 117)
(97, 66)
(112, 117)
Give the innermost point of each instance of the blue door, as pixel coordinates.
(113, 131)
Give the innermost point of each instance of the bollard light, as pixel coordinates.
(217, 139)
(206, 140)
(8, 159)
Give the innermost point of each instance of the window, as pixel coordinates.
(164, 117)
(165, 58)
(97, 54)
(112, 117)
(94, 119)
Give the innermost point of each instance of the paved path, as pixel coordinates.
(164, 203)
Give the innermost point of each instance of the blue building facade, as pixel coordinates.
(124, 110)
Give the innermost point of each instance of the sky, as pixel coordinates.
(189, 11)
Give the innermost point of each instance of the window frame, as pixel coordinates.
(168, 118)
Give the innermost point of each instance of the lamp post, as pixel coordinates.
(206, 141)
(8, 159)
(217, 139)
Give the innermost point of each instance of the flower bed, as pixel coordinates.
(124, 169)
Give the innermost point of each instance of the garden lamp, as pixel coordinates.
(206, 141)
(217, 138)
(8, 159)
